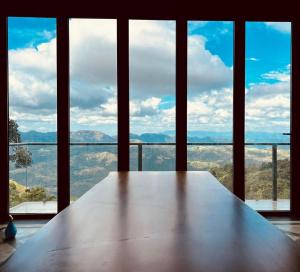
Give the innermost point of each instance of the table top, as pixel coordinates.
(157, 221)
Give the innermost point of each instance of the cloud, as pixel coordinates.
(93, 52)
(205, 70)
(252, 59)
(146, 107)
(268, 104)
(152, 58)
(32, 83)
(284, 27)
(211, 110)
(39, 61)
(278, 75)
(153, 61)
(93, 70)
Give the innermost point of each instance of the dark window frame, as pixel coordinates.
(63, 170)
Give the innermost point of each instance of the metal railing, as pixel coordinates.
(140, 152)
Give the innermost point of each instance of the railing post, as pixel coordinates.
(140, 157)
(274, 172)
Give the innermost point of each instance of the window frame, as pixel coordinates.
(63, 108)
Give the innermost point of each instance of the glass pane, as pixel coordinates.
(32, 115)
(268, 115)
(152, 94)
(210, 80)
(93, 100)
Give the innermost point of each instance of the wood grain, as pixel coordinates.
(157, 221)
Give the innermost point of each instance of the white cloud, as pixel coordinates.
(284, 27)
(205, 71)
(252, 59)
(283, 76)
(268, 89)
(210, 111)
(146, 107)
(93, 72)
(268, 104)
(39, 61)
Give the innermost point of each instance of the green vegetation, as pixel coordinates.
(259, 179)
(224, 174)
(22, 157)
(90, 164)
(19, 193)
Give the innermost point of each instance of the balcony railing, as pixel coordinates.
(140, 152)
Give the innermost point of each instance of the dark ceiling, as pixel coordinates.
(156, 9)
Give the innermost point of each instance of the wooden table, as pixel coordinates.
(156, 222)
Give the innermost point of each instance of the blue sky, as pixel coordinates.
(270, 48)
(153, 100)
(267, 49)
(26, 32)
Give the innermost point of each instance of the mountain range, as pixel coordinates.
(164, 137)
(90, 164)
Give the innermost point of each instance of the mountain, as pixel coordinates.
(201, 140)
(226, 137)
(164, 137)
(152, 138)
(91, 136)
(35, 136)
(90, 164)
(76, 136)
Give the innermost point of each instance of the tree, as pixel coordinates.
(14, 135)
(23, 159)
(20, 155)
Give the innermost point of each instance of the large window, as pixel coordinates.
(209, 105)
(93, 102)
(32, 115)
(152, 94)
(94, 79)
(268, 115)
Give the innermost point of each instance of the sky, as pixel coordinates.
(93, 75)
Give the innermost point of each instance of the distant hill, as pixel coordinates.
(76, 136)
(164, 137)
(35, 136)
(90, 164)
(91, 136)
(94, 136)
(152, 138)
(226, 137)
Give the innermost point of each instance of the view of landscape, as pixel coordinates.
(93, 103)
(267, 105)
(90, 164)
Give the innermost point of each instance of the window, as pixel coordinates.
(152, 94)
(210, 94)
(93, 102)
(32, 115)
(32, 51)
(268, 115)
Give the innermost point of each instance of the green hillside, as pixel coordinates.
(90, 164)
(18, 193)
